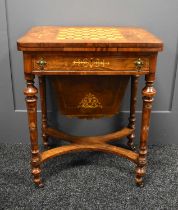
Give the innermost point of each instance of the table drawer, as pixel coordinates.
(89, 63)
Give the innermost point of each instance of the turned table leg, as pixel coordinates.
(148, 93)
(31, 102)
(132, 117)
(42, 85)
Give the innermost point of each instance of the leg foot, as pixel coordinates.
(39, 185)
(140, 172)
(36, 168)
(140, 184)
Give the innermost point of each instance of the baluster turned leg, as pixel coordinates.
(31, 102)
(132, 118)
(42, 85)
(148, 93)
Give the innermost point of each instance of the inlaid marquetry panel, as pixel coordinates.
(87, 63)
(65, 37)
(90, 33)
(90, 101)
(82, 97)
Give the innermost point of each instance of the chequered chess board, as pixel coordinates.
(87, 33)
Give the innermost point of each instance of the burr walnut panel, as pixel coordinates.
(88, 63)
(82, 97)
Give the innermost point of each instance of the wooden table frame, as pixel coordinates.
(96, 143)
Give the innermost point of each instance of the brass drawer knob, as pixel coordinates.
(41, 63)
(139, 64)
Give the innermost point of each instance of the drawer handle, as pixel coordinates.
(139, 64)
(41, 63)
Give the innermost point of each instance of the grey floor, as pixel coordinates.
(88, 180)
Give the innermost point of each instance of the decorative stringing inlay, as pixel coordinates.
(90, 101)
(86, 33)
(90, 62)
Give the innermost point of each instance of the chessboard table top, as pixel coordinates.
(56, 37)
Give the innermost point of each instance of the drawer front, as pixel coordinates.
(82, 63)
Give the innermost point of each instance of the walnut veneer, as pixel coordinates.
(89, 68)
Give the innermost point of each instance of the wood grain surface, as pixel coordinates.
(69, 37)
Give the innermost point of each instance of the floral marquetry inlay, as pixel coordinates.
(90, 62)
(90, 101)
